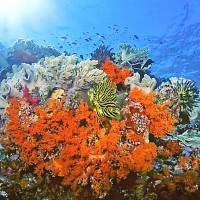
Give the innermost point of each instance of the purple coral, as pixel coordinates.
(101, 54)
(187, 151)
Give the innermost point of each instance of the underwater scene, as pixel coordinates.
(99, 100)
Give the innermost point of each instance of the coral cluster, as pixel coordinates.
(157, 117)
(176, 171)
(27, 51)
(73, 129)
(74, 145)
(52, 72)
(22, 51)
(135, 58)
(116, 74)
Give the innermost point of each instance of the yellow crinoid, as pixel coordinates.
(104, 99)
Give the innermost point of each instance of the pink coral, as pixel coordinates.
(34, 101)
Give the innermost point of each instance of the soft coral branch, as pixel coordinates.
(116, 74)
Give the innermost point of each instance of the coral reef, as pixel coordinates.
(176, 172)
(72, 129)
(64, 72)
(86, 152)
(23, 51)
(71, 143)
(26, 76)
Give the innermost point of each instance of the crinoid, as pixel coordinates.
(104, 99)
(183, 95)
(187, 94)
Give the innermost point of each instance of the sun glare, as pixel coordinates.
(15, 13)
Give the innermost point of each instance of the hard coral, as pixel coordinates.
(146, 83)
(116, 74)
(52, 72)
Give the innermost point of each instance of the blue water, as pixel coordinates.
(171, 29)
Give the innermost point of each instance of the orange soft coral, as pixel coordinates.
(183, 162)
(116, 74)
(74, 145)
(160, 119)
(174, 147)
(143, 156)
(171, 148)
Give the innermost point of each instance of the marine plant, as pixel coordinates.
(104, 99)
